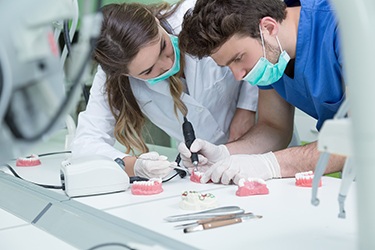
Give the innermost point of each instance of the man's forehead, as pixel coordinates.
(224, 52)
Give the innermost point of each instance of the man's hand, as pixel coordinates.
(235, 167)
(152, 165)
(208, 153)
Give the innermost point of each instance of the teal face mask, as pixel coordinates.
(265, 73)
(175, 67)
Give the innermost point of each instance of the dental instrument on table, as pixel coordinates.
(189, 135)
(216, 218)
(227, 210)
(214, 223)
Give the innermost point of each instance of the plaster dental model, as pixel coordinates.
(152, 186)
(251, 186)
(31, 161)
(193, 200)
(304, 179)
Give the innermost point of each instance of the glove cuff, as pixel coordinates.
(224, 151)
(274, 165)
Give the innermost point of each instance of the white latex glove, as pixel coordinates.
(235, 167)
(208, 153)
(152, 165)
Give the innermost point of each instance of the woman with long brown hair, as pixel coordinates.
(141, 74)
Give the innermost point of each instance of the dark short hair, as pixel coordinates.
(213, 22)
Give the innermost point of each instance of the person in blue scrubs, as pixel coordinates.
(293, 55)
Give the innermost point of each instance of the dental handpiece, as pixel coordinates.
(189, 136)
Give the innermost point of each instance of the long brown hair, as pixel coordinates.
(126, 28)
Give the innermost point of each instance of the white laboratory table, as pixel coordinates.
(289, 220)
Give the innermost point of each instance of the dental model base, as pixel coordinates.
(305, 179)
(31, 161)
(152, 186)
(92, 175)
(193, 200)
(251, 186)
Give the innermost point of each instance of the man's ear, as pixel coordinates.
(157, 21)
(269, 25)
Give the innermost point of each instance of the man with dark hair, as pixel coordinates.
(293, 55)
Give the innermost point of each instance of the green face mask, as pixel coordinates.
(175, 67)
(265, 73)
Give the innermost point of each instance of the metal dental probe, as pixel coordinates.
(189, 136)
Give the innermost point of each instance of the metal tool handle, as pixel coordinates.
(213, 224)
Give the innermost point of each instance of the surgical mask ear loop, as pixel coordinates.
(263, 47)
(281, 48)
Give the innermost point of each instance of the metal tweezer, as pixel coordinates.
(228, 210)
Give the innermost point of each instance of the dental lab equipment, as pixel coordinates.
(189, 135)
(215, 222)
(334, 138)
(227, 210)
(32, 81)
(92, 175)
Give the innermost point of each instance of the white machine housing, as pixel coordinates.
(92, 175)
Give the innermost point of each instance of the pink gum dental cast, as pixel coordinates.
(304, 179)
(31, 161)
(196, 176)
(152, 186)
(251, 186)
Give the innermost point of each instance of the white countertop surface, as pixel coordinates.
(289, 220)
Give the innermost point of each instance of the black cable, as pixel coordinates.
(41, 185)
(170, 178)
(40, 155)
(47, 154)
(111, 244)
(55, 153)
(86, 93)
(67, 37)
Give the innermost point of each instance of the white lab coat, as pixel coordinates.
(212, 96)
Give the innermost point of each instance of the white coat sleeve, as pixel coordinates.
(175, 21)
(248, 97)
(95, 129)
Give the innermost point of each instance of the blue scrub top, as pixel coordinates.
(317, 87)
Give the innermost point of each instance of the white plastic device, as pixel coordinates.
(92, 175)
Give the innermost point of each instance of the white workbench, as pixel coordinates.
(289, 220)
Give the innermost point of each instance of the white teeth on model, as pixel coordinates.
(242, 181)
(261, 181)
(149, 182)
(305, 175)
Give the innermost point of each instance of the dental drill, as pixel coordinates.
(189, 135)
